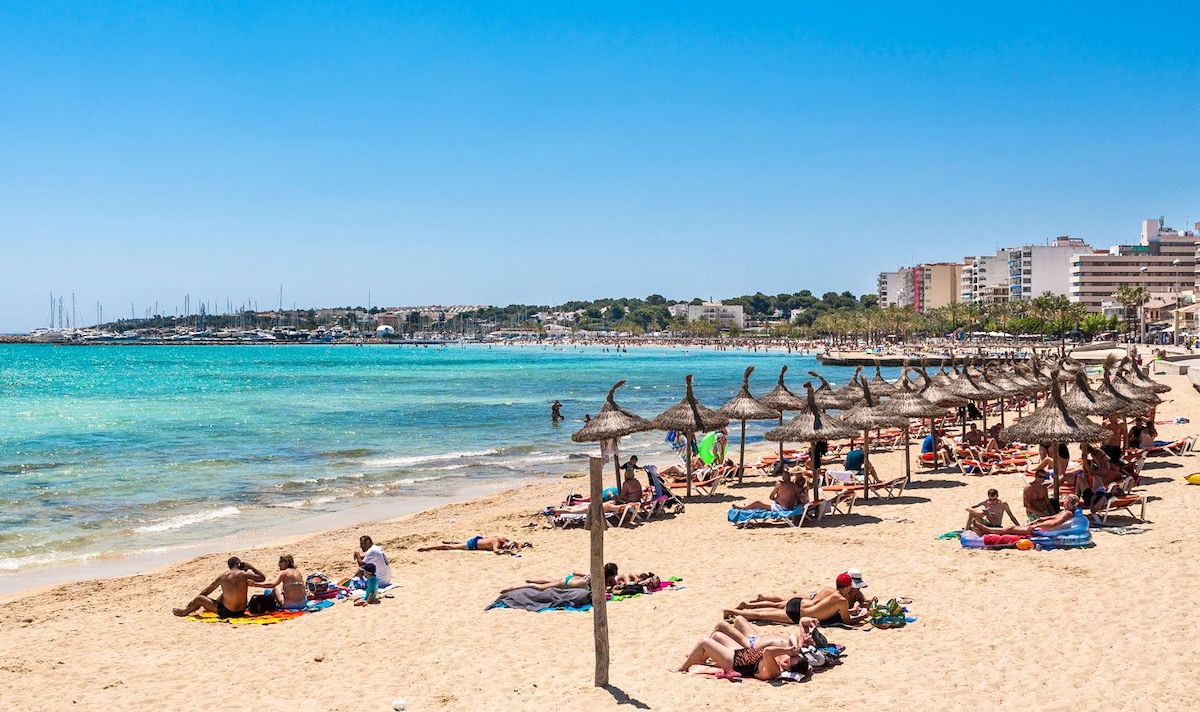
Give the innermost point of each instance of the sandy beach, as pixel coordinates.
(1108, 626)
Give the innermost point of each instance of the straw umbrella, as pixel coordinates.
(880, 386)
(867, 416)
(939, 395)
(811, 426)
(826, 398)
(1054, 423)
(1138, 377)
(780, 398)
(908, 403)
(611, 423)
(1082, 399)
(689, 417)
(743, 407)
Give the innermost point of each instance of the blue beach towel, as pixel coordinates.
(741, 516)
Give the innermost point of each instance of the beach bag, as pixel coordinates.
(262, 603)
(317, 583)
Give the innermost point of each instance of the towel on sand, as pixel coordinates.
(262, 619)
(531, 599)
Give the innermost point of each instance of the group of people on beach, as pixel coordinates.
(289, 590)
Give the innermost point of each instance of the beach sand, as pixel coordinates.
(1107, 627)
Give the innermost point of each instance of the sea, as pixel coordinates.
(108, 451)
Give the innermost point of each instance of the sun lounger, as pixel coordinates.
(1173, 449)
(741, 518)
(614, 519)
(1124, 503)
(707, 487)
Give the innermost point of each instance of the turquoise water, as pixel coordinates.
(117, 449)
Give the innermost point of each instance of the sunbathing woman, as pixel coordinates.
(724, 653)
(607, 507)
(494, 544)
(571, 580)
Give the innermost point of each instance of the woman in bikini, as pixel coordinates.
(571, 580)
(730, 649)
(495, 544)
(288, 587)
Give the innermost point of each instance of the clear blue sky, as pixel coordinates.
(506, 152)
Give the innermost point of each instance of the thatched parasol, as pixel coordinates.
(611, 423)
(781, 399)
(743, 407)
(689, 417)
(880, 386)
(1138, 377)
(867, 416)
(1137, 393)
(1052, 424)
(811, 426)
(908, 403)
(1083, 400)
(827, 398)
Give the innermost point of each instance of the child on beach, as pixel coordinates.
(371, 592)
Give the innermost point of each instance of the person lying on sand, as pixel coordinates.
(786, 496)
(857, 599)
(1034, 527)
(832, 609)
(727, 649)
(234, 585)
(990, 512)
(574, 579)
(495, 544)
(288, 587)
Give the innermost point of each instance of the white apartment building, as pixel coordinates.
(725, 316)
(982, 275)
(1034, 269)
(894, 288)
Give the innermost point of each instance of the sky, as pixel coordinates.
(536, 152)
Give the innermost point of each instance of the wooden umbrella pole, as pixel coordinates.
(781, 442)
(866, 468)
(596, 526)
(1057, 473)
(983, 415)
(907, 459)
(1002, 414)
(742, 456)
(617, 467)
(687, 451)
(812, 460)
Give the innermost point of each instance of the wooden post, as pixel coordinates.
(687, 441)
(907, 458)
(866, 464)
(596, 525)
(742, 457)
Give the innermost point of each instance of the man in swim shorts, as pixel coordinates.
(1037, 526)
(833, 609)
(234, 585)
(786, 496)
(990, 512)
(495, 544)
(1037, 497)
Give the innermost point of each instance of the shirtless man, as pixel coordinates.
(973, 439)
(830, 610)
(857, 599)
(1037, 497)
(288, 587)
(1032, 529)
(784, 498)
(1116, 433)
(234, 585)
(992, 512)
(495, 544)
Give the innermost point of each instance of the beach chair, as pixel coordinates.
(892, 488)
(742, 518)
(976, 467)
(707, 487)
(1173, 449)
(1124, 503)
(611, 519)
(842, 502)
(660, 488)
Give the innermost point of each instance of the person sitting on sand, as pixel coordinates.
(833, 609)
(990, 511)
(631, 489)
(574, 579)
(288, 587)
(785, 497)
(762, 660)
(372, 553)
(1037, 497)
(235, 593)
(1038, 525)
(495, 544)
(370, 594)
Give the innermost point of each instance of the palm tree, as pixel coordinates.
(1131, 298)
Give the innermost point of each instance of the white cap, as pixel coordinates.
(856, 578)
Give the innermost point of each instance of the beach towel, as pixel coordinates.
(551, 599)
(262, 619)
(672, 583)
(741, 516)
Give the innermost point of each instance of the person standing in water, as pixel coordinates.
(556, 412)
